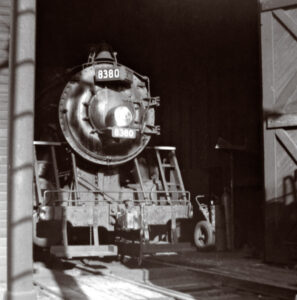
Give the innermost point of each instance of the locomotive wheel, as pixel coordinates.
(203, 235)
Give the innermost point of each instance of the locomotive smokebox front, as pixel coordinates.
(106, 113)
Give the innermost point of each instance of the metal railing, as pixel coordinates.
(77, 197)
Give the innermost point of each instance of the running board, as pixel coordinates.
(84, 251)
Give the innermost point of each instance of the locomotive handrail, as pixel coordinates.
(47, 143)
(59, 79)
(153, 201)
(161, 147)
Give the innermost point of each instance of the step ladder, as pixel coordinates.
(175, 193)
(66, 250)
(52, 161)
(166, 159)
(94, 232)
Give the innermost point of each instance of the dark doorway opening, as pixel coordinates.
(203, 61)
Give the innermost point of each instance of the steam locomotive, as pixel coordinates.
(99, 189)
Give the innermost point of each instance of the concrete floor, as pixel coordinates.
(107, 283)
(116, 280)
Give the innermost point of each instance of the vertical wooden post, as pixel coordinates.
(20, 151)
(4, 83)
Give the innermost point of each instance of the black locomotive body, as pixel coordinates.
(99, 189)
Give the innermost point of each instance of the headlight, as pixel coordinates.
(123, 116)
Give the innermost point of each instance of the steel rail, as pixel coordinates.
(234, 282)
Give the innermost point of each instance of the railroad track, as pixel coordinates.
(221, 286)
(176, 281)
(188, 283)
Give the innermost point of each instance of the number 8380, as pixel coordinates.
(108, 73)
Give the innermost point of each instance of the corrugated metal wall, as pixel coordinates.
(4, 49)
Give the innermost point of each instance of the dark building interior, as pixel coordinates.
(203, 60)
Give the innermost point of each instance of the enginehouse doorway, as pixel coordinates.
(203, 64)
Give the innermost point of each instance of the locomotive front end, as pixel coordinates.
(98, 185)
(106, 112)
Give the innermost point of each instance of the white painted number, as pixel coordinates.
(131, 134)
(116, 73)
(123, 133)
(108, 73)
(100, 74)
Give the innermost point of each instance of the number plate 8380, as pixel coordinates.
(107, 74)
(125, 133)
(112, 74)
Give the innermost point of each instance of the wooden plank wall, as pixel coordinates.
(4, 75)
(279, 69)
